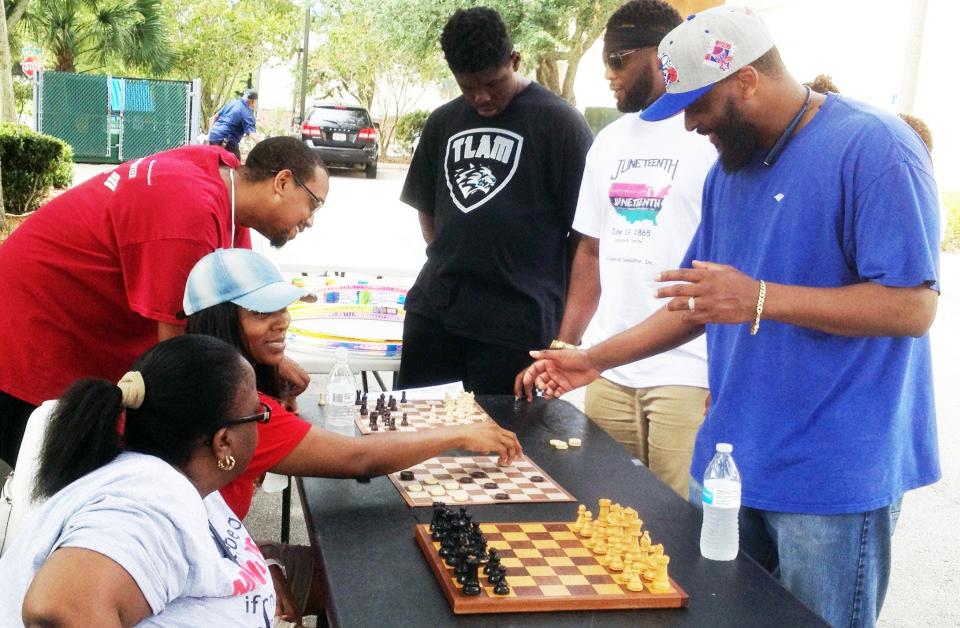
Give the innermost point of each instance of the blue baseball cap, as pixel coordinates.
(239, 276)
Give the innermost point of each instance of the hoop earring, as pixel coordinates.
(227, 463)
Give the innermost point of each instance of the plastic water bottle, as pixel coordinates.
(340, 394)
(720, 533)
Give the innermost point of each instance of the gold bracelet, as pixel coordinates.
(760, 299)
(559, 344)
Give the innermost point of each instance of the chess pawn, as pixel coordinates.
(586, 530)
(600, 549)
(626, 575)
(661, 581)
(616, 560)
(581, 511)
(635, 583)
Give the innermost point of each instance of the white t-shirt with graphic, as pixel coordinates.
(192, 559)
(641, 195)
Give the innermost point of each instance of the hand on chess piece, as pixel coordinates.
(488, 438)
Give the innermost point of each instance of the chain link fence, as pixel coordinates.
(114, 119)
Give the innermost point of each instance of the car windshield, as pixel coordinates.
(340, 117)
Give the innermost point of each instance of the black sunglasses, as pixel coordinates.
(318, 202)
(614, 60)
(260, 417)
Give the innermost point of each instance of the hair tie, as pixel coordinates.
(132, 390)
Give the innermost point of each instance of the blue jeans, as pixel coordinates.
(838, 565)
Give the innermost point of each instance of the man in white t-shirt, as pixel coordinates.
(639, 206)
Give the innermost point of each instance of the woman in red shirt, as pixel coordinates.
(238, 296)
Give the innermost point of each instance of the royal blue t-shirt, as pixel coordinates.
(824, 424)
(235, 120)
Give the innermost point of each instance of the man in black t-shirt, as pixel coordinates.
(495, 179)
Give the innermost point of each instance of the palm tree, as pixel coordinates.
(93, 33)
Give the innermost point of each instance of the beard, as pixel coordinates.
(638, 96)
(737, 139)
(278, 240)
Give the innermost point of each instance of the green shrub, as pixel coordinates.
(31, 163)
(951, 207)
(409, 126)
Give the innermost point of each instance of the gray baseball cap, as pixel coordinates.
(704, 50)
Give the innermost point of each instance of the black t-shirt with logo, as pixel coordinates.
(502, 192)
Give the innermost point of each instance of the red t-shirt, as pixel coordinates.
(89, 275)
(278, 437)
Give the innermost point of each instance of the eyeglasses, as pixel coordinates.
(317, 201)
(261, 417)
(614, 60)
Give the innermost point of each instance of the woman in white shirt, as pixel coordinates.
(133, 531)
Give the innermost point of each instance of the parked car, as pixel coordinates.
(344, 136)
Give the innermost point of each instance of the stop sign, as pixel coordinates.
(31, 65)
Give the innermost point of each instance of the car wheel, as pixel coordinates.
(372, 170)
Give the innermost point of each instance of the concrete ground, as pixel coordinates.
(363, 225)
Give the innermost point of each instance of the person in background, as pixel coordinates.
(132, 529)
(238, 296)
(233, 121)
(816, 308)
(95, 277)
(494, 181)
(639, 207)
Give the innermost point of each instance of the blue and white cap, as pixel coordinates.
(704, 50)
(239, 276)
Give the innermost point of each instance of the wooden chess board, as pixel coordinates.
(418, 417)
(480, 481)
(548, 569)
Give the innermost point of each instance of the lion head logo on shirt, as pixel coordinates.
(473, 179)
(479, 163)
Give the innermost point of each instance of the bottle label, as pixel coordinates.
(721, 493)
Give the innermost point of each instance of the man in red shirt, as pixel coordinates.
(96, 276)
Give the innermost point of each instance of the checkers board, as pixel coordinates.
(548, 569)
(418, 417)
(480, 481)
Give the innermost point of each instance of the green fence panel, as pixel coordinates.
(75, 109)
(114, 119)
(154, 116)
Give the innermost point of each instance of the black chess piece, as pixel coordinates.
(393, 425)
(363, 408)
(493, 561)
(404, 422)
(393, 403)
(501, 588)
(403, 397)
(471, 584)
(358, 401)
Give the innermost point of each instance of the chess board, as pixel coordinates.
(548, 569)
(418, 417)
(480, 481)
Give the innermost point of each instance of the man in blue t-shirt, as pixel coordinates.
(233, 121)
(814, 274)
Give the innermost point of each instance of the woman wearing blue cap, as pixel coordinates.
(238, 296)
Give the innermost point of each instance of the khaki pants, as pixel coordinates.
(657, 425)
